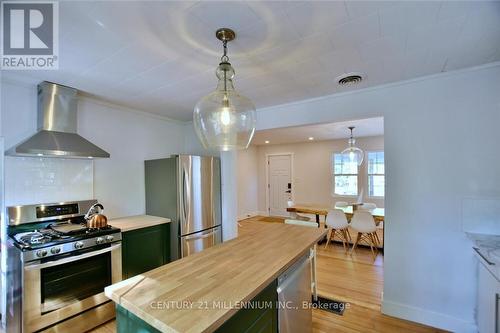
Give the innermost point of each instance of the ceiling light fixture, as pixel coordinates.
(224, 119)
(310, 138)
(353, 153)
(267, 141)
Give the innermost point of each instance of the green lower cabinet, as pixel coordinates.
(145, 249)
(260, 319)
(127, 322)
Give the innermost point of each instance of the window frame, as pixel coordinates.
(368, 174)
(333, 175)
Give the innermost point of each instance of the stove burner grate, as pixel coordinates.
(35, 237)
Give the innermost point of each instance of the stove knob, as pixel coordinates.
(78, 245)
(41, 253)
(109, 238)
(55, 250)
(99, 240)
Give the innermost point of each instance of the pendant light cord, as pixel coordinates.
(224, 57)
(350, 140)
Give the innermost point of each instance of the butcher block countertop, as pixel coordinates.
(198, 293)
(137, 222)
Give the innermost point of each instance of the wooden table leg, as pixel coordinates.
(317, 219)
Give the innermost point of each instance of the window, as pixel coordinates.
(345, 175)
(376, 174)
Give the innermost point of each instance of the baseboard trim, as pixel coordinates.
(422, 316)
(248, 215)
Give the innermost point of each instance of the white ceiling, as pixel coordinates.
(320, 132)
(160, 57)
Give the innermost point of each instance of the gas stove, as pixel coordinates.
(47, 242)
(56, 229)
(58, 268)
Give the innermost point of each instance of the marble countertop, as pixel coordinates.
(485, 241)
(488, 248)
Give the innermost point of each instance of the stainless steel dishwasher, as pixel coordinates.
(294, 288)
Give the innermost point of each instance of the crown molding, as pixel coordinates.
(385, 86)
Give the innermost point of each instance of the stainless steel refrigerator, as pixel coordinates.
(187, 190)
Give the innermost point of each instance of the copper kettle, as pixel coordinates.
(95, 218)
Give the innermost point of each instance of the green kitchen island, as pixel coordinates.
(230, 287)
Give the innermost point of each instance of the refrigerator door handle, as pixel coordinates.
(200, 236)
(185, 195)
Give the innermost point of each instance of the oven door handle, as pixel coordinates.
(71, 259)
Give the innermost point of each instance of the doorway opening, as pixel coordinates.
(304, 166)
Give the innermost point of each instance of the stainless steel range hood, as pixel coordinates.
(57, 124)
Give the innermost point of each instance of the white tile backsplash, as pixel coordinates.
(481, 215)
(31, 180)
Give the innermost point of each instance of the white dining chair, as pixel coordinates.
(301, 223)
(380, 226)
(337, 222)
(368, 206)
(312, 255)
(363, 223)
(296, 216)
(341, 204)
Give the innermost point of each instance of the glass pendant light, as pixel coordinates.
(353, 153)
(224, 119)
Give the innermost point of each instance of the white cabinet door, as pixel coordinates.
(487, 301)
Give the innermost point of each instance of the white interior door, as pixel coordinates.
(280, 176)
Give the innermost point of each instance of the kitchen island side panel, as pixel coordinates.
(261, 317)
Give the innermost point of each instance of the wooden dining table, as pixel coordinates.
(318, 210)
(377, 213)
(309, 209)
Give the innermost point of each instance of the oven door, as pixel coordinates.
(68, 285)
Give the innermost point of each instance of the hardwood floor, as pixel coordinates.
(356, 280)
(109, 327)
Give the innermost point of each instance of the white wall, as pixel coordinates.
(247, 182)
(118, 182)
(229, 177)
(130, 136)
(312, 170)
(441, 145)
(192, 144)
(33, 180)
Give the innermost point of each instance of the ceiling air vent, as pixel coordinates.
(349, 79)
